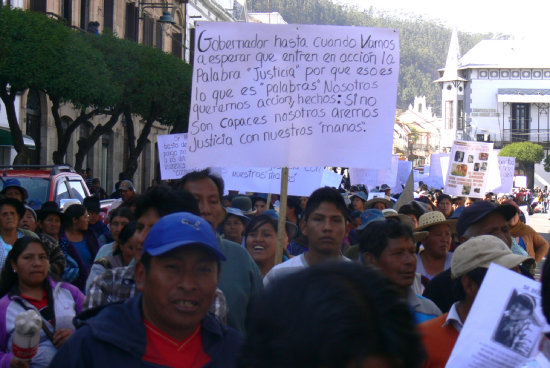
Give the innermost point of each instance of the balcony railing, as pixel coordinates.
(532, 135)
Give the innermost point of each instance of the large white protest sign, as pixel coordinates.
(331, 179)
(293, 95)
(468, 168)
(501, 331)
(302, 181)
(506, 167)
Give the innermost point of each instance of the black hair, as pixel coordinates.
(374, 238)
(125, 234)
(412, 208)
(166, 201)
(122, 211)
(427, 201)
(444, 196)
(258, 199)
(325, 194)
(74, 211)
(8, 277)
(476, 275)
(200, 175)
(15, 203)
(337, 314)
(294, 202)
(260, 221)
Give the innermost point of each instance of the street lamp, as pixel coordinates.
(166, 19)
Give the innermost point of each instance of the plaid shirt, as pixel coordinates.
(118, 284)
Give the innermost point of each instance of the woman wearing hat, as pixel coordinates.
(13, 189)
(11, 212)
(435, 258)
(359, 201)
(261, 241)
(234, 225)
(379, 203)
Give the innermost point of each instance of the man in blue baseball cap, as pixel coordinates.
(167, 324)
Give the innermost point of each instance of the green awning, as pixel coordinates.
(7, 141)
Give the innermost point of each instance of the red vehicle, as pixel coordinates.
(59, 183)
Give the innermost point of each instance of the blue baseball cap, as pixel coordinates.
(180, 229)
(369, 216)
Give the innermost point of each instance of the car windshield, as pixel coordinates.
(37, 189)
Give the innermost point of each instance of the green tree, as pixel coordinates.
(43, 54)
(160, 91)
(527, 154)
(30, 44)
(83, 80)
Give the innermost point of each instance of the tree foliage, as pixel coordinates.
(424, 42)
(524, 152)
(527, 154)
(95, 74)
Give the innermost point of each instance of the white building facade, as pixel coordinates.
(498, 92)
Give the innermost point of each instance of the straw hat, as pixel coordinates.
(433, 218)
(406, 220)
(387, 202)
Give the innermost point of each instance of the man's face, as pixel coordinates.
(93, 217)
(325, 229)
(260, 207)
(143, 225)
(358, 204)
(14, 193)
(51, 224)
(233, 228)
(398, 261)
(117, 224)
(206, 194)
(126, 194)
(495, 224)
(379, 206)
(445, 207)
(178, 289)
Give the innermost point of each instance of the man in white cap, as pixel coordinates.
(468, 268)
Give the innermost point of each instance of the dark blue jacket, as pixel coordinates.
(115, 336)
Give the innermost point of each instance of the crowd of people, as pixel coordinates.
(183, 276)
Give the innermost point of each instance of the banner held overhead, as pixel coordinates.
(293, 95)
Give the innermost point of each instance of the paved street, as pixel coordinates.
(540, 222)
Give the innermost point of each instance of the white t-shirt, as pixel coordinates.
(292, 265)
